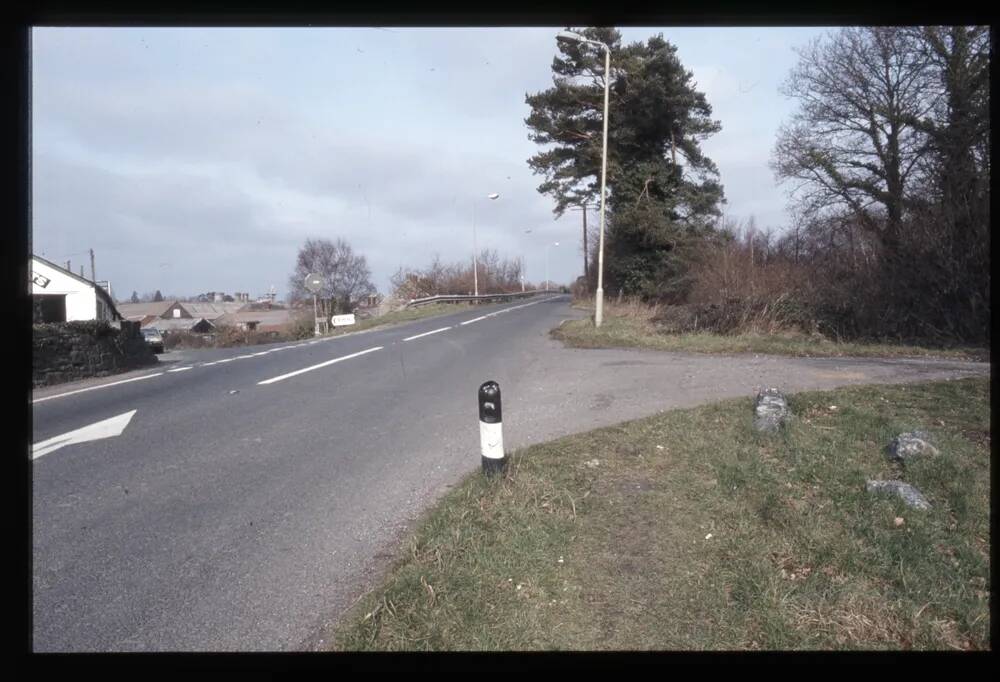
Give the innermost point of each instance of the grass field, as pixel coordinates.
(689, 531)
(631, 326)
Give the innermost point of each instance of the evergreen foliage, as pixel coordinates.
(663, 193)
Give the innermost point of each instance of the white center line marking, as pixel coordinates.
(226, 360)
(240, 357)
(261, 353)
(179, 369)
(322, 364)
(94, 388)
(442, 329)
(483, 317)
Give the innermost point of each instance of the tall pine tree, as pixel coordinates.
(663, 192)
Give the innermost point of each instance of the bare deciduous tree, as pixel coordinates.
(889, 153)
(853, 144)
(346, 276)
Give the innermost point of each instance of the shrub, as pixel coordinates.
(302, 327)
(187, 340)
(96, 328)
(228, 336)
(743, 285)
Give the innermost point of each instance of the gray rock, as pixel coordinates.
(910, 495)
(770, 411)
(908, 445)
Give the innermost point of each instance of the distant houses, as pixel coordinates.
(259, 320)
(205, 318)
(57, 295)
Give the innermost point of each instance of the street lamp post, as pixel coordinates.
(568, 36)
(475, 254)
(547, 264)
(528, 231)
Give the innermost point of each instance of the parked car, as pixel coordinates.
(154, 339)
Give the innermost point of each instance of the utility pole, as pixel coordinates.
(93, 277)
(586, 262)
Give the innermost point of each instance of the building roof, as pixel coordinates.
(262, 317)
(176, 324)
(212, 311)
(134, 311)
(104, 295)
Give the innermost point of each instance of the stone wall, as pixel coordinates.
(66, 351)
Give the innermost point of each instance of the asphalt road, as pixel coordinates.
(235, 515)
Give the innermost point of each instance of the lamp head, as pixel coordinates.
(569, 37)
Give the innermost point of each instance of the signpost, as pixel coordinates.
(314, 283)
(341, 320)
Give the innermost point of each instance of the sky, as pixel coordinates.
(200, 159)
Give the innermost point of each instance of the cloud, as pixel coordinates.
(196, 224)
(221, 150)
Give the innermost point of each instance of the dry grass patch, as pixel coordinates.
(632, 324)
(688, 530)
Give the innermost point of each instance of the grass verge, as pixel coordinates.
(688, 530)
(635, 331)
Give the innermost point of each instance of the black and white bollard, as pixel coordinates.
(491, 429)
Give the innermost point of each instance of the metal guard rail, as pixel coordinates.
(456, 298)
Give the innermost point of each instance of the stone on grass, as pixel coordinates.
(910, 495)
(770, 411)
(906, 446)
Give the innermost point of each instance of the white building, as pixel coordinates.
(57, 295)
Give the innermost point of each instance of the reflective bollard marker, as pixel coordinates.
(491, 429)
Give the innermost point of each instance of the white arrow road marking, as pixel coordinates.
(442, 329)
(322, 364)
(109, 428)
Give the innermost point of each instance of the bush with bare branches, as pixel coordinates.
(495, 275)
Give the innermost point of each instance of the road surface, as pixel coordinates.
(254, 493)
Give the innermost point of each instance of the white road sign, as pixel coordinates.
(314, 282)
